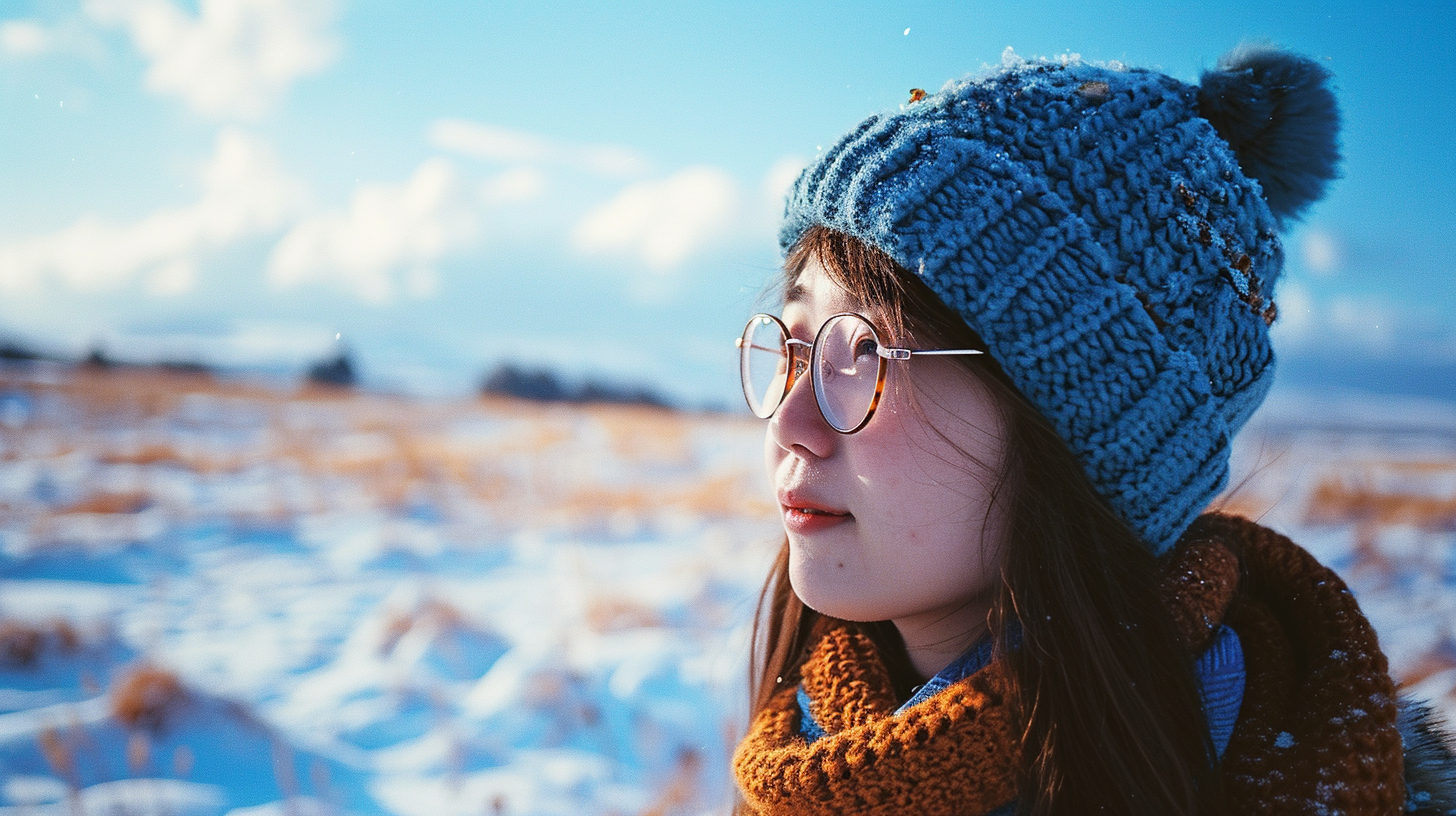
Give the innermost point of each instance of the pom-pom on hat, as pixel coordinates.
(1112, 235)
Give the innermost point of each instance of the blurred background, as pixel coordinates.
(370, 433)
(595, 189)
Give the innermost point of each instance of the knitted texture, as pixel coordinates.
(952, 754)
(1099, 235)
(1316, 734)
(1317, 731)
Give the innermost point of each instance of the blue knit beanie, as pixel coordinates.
(1112, 235)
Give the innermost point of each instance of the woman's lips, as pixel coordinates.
(806, 516)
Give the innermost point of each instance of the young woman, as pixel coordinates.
(1022, 319)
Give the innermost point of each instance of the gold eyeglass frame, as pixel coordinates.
(797, 364)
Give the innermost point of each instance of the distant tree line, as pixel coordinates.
(17, 351)
(338, 369)
(545, 385)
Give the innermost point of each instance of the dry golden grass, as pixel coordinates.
(605, 614)
(150, 392)
(109, 503)
(644, 432)
(59, 754)
(434, 613)
(22, 643)
(138, 753)
(1336, 501)
(147, 697)
(1427, 666)
(528, 465)
(1244, 503)
(66, 635)
(153, 454)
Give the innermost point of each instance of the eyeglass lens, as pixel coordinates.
(764, 364)
(846, 371)
(844, 365)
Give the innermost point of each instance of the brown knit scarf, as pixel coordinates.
(1316, 731)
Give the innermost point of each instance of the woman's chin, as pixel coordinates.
(837, 596)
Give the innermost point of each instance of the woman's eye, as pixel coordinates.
(865, 346)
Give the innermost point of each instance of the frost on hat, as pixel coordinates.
(1112, 234)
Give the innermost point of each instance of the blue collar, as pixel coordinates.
(971, 661)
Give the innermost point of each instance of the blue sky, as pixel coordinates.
(595, 188)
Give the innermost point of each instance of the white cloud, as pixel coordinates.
(244, 194)
(1321, 252)
(27, 39)
(768, 211)
(489, 141)
(173, 278)
(234, 57)
(663, 222)
(508, 146)
(779, 178)
(24, 38)
(387, 229)
(514, 186)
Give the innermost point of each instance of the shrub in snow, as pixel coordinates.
(147, 697)
(22, 643)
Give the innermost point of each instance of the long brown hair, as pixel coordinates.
(1106, 696)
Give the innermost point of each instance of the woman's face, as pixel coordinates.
(895, 522)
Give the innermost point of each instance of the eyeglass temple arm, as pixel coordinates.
(738, 343)
(905, 354)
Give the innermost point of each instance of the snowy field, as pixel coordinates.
(222, 597)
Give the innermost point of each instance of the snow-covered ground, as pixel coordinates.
(223, 597)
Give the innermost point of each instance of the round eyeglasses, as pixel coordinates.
(846, 364)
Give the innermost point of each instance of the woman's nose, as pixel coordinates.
(798, 426)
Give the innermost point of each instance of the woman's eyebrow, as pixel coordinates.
(796, 293)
